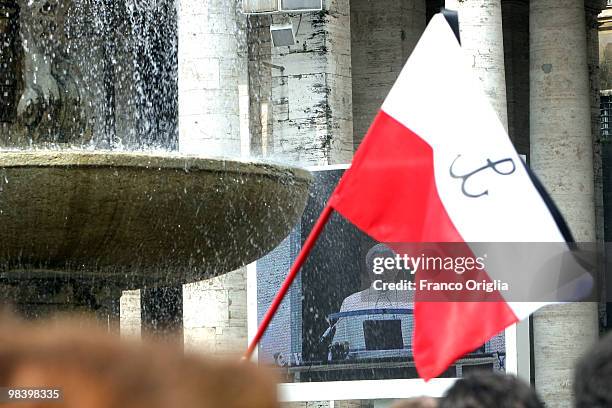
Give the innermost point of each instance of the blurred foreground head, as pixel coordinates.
(485, 389)
(418, 402)
(95, 369)
(593, 376)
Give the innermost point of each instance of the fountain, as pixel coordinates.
(80, 218)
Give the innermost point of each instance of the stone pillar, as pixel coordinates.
(214, 121)
(562, 156)
(260, 84)
(311, 89)
(383, 35)
(480, 24)
(215, 315)
(592, 9)
(162, 313)
(301, 95)
(300, 110)
(212, 76)
(312, 98)
(130, 309)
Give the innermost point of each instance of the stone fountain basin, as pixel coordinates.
(139, 220)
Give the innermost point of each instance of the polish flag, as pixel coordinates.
(437, 166)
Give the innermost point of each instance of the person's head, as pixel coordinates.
(485, 389)
(375, 259)
(593, 376)
(95, 369)
(417, 402)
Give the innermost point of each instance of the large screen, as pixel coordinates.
(334, 325)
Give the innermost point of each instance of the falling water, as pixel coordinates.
(91, 74)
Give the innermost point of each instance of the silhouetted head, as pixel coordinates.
(593, 376)
(486, 389)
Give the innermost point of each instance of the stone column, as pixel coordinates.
(162, 313)
(300, 111)
(383, 35)
(214, 121)
(311, 89)
(562, 156)
(260, 83)
(301, 95)
(480, 24)
(312, 98)
(592, 9)
(130, 325)
(213, 117)
(215, 315)
(212, 76)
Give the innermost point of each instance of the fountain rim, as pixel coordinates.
(145, 160)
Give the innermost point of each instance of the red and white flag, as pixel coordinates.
(437, 166)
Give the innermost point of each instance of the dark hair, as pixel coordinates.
(593, 376)
(485, 389)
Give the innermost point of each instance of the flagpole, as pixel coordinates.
(297, 265)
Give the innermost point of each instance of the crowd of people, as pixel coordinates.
(90, 367)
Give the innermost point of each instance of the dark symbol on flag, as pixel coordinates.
(495, 165)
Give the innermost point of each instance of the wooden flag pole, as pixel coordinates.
(297, 265)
